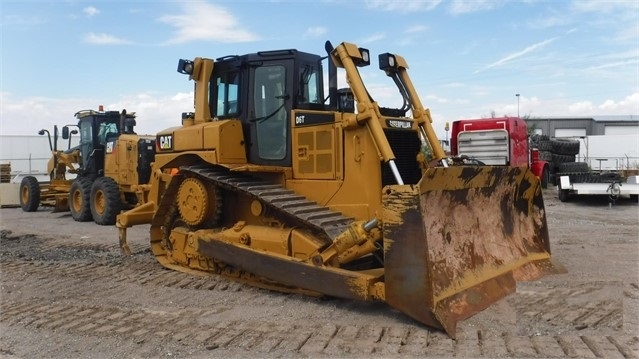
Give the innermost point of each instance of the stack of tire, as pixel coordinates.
(560, 154)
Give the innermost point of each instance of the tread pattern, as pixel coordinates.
(32, 187)
(294, 206)
(80, 273)
(564, 146)
(83, 185)
(111, 197)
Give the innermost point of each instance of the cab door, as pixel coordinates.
(270, 104)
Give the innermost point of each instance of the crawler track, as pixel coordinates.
(286, 206)
(294, 207)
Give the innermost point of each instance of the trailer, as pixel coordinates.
(610, 184)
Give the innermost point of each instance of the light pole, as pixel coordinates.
(517, 104)
(446, 128)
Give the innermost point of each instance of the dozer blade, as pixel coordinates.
(458, 240)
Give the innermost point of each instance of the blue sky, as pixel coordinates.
(467, 58)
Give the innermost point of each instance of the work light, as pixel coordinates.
(387, 62)
(185, 67)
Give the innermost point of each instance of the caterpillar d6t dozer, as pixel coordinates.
(268, 183)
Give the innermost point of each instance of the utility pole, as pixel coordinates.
(517, 104)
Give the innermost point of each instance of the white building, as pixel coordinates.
(607, 142)
(29, 154)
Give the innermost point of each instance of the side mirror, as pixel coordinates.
(65, 132)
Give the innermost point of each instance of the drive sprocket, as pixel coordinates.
(199, 203)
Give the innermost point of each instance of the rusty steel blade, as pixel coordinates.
(61, 204)
(458, 240)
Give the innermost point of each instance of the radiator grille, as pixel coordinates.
(405, 145)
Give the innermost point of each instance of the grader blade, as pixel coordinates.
(61, 203)
(458, 240)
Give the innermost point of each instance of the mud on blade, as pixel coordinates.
(458, 240)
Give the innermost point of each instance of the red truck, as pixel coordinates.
(498, 141)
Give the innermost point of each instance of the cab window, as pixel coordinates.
(107, 131)
(309, 85)
(226, 91)
(270, 113)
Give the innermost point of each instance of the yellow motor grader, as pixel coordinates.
(283, 186)
(111, 165)
(55, 192)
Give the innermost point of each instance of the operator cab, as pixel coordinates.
(262, 89)
(97, 128)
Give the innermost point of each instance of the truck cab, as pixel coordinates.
(499, 141)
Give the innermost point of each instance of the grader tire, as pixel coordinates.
(105, 201)
(564, 146)
(545, 155)
(544, 145)
(558, 158)
(79, 199)
(573, 167)
(29, 194)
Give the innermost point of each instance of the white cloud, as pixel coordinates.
(385, 95)
(403, 6)
(629, 104)
(454, 85)
(51, 111)
(628, 34)
(373, 38)
(516, 55)
(611, 63)
(544, 22)
(525, 107)
(407, 41)
(416, 29)
(580, 107)
(201, 21)
(435, 98)
(605, 7)
(90, 11)
(104, 39)
(182, 96)
(466, 6)
(154, 112)
(18, 20)
(615, 64)
(316, 31)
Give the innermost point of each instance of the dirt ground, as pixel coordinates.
(67, 292)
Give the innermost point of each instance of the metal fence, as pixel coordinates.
(601, 163)
(27, 166)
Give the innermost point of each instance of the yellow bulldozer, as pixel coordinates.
(111, 165)
(284, 186)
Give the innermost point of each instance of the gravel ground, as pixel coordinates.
(66, 292)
